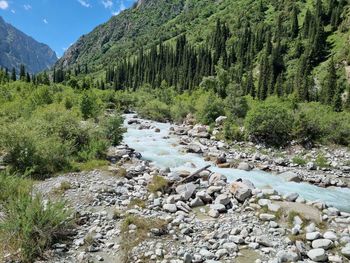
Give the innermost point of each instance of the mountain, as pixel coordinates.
(263, 48)
(17, 48)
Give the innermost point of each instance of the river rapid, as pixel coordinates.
(165, 152)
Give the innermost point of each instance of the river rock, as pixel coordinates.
(288, 256)
(313, 236)
(196, 202)
(216, 177)
(218, 207)
(318, 255)
(170, 208)
(291, 177)
(291, 197)
(241, 191)
(194, 148)
(322, 243)
(244, 166)
(330, 235)
(223, 199)
(346, 251)
(267, 217)
(186, 190)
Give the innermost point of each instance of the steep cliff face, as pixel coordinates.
(17, 48)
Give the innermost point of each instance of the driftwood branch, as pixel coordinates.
(193, 175)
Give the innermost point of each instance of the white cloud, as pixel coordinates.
(122, 7)
(107, 3)
(45, 21)
(27, 7)
(84, 3)
(4, 4)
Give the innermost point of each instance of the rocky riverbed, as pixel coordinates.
(135, 211)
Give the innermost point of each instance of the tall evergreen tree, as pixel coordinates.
(330, 85)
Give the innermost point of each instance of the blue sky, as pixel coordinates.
(59, 23)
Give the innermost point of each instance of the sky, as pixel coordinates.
(59, 23)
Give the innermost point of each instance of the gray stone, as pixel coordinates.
(223, 199)
(313, 236)
(206, 254)
(170, 208)
(322, 243)
(244, 166)
(196, 202)
(220, 120)
(231, 247)
(218, 207)
(291, 177)
(267, 217)
(186, 190)
(330, 235)
(187, 258)
(311, 166)
(213, 213)
(291, 197)
(287, 256)
(346, 252)
(318, 255)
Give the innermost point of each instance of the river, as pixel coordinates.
(164, 150)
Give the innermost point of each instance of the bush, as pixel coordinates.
(209, 106)
(269, 123)
(30, 226)
(232, 131)
(155, 110)
(113, 128)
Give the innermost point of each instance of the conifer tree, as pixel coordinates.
(295, 23)
(330, 84)
(337, 100)
(22, 72)
(13, 75)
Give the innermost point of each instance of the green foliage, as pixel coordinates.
(30, 225)
(89, 105)
(209, 106)
(41, 135)
(232, 131)
(299, 160)
(113, 128)
(269, 123)
(321, 161)
(155, 110)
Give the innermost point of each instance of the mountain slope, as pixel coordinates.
(17, 48)
(124, 33)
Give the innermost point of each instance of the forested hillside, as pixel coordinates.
(263, 47)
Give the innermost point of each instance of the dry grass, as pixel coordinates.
(64, 186)
(130, 239)
(158, 184)
(137, 202)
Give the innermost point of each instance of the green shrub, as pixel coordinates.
(269, 123)
(113, 128)
(322, 161)
(209, 106)
(30, 226)
(299, 160)
(155, 110)
(232, 131)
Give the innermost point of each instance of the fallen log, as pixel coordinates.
(192, 176)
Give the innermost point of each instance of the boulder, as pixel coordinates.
(240, 190)
(288, 256)
(186, 190)
(196, 202)
(313, 236)
(216, 177)
(218, 207)
(311, 166)
(213, 213)
(223, 199)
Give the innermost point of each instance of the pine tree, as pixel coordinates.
(22, 72)
(330, 84)
(27, 77)
(295, 23)
(337, 100)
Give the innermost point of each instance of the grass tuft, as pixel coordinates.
(157, 184)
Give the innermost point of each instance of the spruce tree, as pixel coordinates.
(337, 100)
(330, 84)
(295, 23)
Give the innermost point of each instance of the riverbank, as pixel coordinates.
(176, 215)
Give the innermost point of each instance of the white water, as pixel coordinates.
(167, 153)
